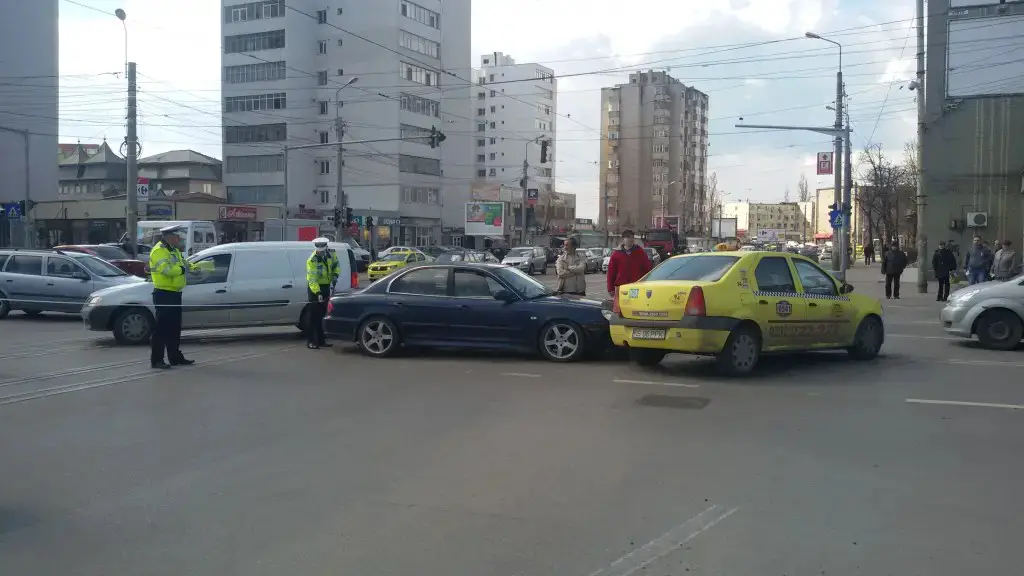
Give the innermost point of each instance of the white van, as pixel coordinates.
(252, 284)
(199, 234)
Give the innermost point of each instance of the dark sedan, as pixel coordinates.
(465, 305)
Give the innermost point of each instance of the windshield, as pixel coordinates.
(659, 236)
(693, 268)
(520, 253)
(399, 257)
(523, 283)
(110, 252)
(98, 267)
(351, 242)
(462, 257)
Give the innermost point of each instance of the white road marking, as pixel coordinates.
(665, 544)
(959, 403)
(983, 362)
(652, 383)
(925, 337)
(519, 375)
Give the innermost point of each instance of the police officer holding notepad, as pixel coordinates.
(168, 269)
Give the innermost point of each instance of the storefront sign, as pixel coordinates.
(159, 210)
(389, 222)
(237, 212)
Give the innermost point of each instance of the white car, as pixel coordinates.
(992, 311)
(604, 264)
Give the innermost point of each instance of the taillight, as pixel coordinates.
(355, 280)
(695, 305)
(330, 307)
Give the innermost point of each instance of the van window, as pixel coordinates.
(251, 265)
(210, 238)
(219, 275)
(197, 237)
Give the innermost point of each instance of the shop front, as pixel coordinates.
(386, 229)
(239, 224)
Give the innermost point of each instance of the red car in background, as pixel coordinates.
(112, 254)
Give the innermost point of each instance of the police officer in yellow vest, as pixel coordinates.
(168, 268)
(322, 271)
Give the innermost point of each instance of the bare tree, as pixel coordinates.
(785, 196)
(711, 199)
(803, 190)
(886, 195)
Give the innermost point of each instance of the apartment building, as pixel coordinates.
(653, 154)
(306, 72)
(778, 220)
(515, 109)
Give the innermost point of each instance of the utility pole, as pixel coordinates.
(922, 239)
(132, 185)
(847, 200)
(339, 197)
(837, 155)
(526, 169)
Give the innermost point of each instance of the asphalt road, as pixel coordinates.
(267, 458)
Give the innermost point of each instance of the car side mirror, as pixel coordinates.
(504, 296)
(79, 275)
(846, 289)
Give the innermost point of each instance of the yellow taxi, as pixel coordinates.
(397, 259)
(739, 305)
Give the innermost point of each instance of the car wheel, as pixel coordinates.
(999, 329)
(378, 337)
(742, 351)
(562, 341)
(645, 357)
(544, 270)
(133, 326)
(867, 342)
(5, 306)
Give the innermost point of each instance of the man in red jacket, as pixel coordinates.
(628, 263)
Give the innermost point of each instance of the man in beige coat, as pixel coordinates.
(571, 270)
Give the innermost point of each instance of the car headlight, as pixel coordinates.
(608, 315)
(963, 295)
(94, 300)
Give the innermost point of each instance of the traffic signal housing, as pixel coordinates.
(348, 216)
(436, 137)
(369, 221)
(337, 218)
(544, 151)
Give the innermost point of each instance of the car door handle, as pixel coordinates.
(398, 305)
(9, 281)
(463, 307)
(286, 286)
(49, 283)
(762, 302)
(812, 304)
(221, 291)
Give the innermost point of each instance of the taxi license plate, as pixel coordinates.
(648, 334)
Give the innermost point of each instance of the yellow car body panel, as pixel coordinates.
(813, 317)
(382, 268)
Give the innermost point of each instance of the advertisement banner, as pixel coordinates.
(486, 191)
(237, 212)
(532, 195)
(824, 163)
(485, 219)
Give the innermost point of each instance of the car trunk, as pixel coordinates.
(657, 300)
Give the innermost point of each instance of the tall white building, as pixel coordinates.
(28, 102)
(514, 109)
(292, 69)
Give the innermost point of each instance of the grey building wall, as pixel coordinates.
(28, 98)
(974, 147)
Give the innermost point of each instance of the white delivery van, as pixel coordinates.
(199, 234)
(252, 284)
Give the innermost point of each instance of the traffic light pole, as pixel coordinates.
(29, 232)
(339, 197)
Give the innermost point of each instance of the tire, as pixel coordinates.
(33, 313)
(742, 351)
(561, 341)
(380, 346)
(646, 357)
(5, 306)
(999, 329)
(867, 342)
(133, 326)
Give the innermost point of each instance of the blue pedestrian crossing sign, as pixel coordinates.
(835, 218)
(12, 210)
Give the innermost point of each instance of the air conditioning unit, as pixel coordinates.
(977, 219)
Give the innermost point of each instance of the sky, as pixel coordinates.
(749, 56)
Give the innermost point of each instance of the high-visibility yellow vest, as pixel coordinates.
(322, 271)
(167, 268)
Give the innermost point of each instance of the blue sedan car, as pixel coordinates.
(467, 305)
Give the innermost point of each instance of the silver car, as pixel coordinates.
(37, 281)
(992, 311)
(529, 259)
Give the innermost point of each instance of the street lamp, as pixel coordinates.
(339, 199)
(121, 16)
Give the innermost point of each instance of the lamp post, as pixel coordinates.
(131, 148)
(339, 127)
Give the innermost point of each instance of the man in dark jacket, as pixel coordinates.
(943, 263)
(627, 264)
(894, 262)
(978, 262)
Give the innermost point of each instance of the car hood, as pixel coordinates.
(387, 264)
(127, 291)
(515, 260)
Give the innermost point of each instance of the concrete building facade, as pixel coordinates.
(974, 143)
(790, 220)
(287, 69)
(653, 154)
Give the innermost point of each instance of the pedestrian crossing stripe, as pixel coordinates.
(801, 295)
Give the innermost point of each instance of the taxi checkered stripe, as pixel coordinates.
(800, 295)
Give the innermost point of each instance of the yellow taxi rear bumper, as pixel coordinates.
(692, 335)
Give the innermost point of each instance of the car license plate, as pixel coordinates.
(648, 334)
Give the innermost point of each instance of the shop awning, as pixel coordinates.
(823, 236)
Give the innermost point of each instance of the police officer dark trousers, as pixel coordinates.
(168, 268)
(322, 271)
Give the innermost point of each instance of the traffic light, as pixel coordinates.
(369, 221)
(436, 137)
(348, 216)
(544, 151)
(337, 217)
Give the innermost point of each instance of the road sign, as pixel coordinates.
(835, 218)
(771, 234)
(824, 163)
(12, 210)
(532, 195)
(142, 189)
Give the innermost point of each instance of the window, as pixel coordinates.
(418, 165)
(341, 42)
(547, 94)
(481, 173)
(410, 41)
(480, 96)
(480, 157)
(321, 78)
(420, 105)
(494, 93)
(98, 267)
(341, 71)
(694, 268)
(60, 267)
(481, 111)
(261, 72)
(815, 281)
(253, 11)
(219, 274)
(772, 275)
(255, 164)
(324, 195)
(494, 125)
(492, 172)
(416, 74)
(494, 140)
(321, 47)
(425, 282)
(325, 136)
(257, 133)
(22, 264)
(493, 109)
(415, 134)
(255, 194)
(255, 102)
(473, 284)
(481, 127)
(421, 195)
(325, 166)
(254, 42)
(522, 283)
(420, 14)
(321, 16)
(481, 142)
(324, 107)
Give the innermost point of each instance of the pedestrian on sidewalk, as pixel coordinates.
(627, 264)
(1006, 263)
(978, 262)
(944, 264)
(869, 253)
(571, 270)
(894, 262)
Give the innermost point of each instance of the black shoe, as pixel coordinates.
(326, 345)
(183, 362)
(159, 365)
(312, 346)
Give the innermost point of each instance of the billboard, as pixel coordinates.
(723, 228)
(485, 219)
(982, 57)
(771, 234)
(486, 191)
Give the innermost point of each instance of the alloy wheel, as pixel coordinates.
(561, 341)
(377, 337)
